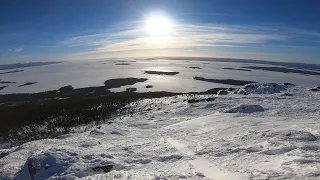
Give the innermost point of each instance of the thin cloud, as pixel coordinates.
(184, 35)
(18, 50)
(205, 14)
(134, 38)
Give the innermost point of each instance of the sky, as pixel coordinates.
(276, 30)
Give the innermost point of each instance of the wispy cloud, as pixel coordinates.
(134, 38)
(17, 50)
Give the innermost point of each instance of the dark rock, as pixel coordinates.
(193, 101)
(131, 89)
(148, 109)
(106, 168)
(287, 94)
(149, 86)
(3, 154)
(289, 84)
(314, 89)
(210, 99)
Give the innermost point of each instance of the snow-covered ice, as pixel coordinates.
(87, 73)
(267, 135)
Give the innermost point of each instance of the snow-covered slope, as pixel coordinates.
(255, 136)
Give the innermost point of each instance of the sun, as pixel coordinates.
(158, 26)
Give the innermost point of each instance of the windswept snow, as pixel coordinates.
(267, 136)
(246, 109)
(263, 88)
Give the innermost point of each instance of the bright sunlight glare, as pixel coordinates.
(158, 26)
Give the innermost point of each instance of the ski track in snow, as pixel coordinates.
(256, 136)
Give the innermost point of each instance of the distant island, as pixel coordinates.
(23, 65)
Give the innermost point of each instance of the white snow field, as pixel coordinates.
(263, 135)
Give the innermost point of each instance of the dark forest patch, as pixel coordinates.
(127, 61)
(225, 81)
(115, 83)
(237, 69)
(283, 70)
(9, 72)
(131, 89)
(27, 84)
(162, 73)
(194, 67)
(49, 114)
(2, 87)
(6, 82)
(22, 65)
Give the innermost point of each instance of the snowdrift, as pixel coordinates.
(262, 88)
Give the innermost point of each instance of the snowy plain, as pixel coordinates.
(272, 133)
(86, 73)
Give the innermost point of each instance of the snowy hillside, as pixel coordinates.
(271, 133)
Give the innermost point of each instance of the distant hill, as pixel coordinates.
(23, 65)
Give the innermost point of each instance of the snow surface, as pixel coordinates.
(275, 137)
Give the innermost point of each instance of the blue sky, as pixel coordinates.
(277, 30)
